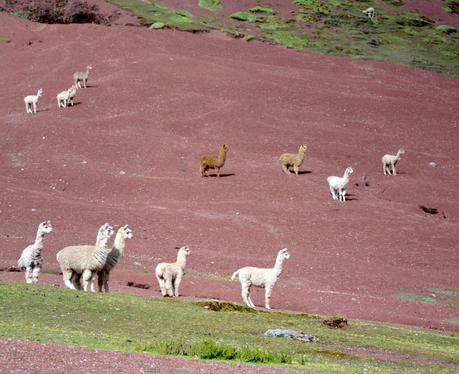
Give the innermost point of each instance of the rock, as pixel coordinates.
(433, 164)
(297, 335)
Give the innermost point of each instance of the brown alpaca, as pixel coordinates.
(294, 160)
(212, 162)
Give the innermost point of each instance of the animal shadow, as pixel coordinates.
(304, 172)
(221, 175)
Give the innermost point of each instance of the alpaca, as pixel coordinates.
(31, 258)
(260, 277)
(337, 184)
(71, 94)
(370, 12)
(62, 99)
(389, 161)
(80, 76)
(170, 275)
(32, 100)
(212, 162)
(85, 260)
(114, 256)
(293, 159)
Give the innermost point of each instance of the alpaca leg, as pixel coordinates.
(67, 276)
(169, 287)
(177, 282)
(394, 171)
(162, 285)
(100, 280)
(35, 274)
(252, 305)
(106, 279)
(285, 169)
(384, 169)
(268, 293)
(76, 280)
(28, 274)
(87, 279)
(218, 172)
(332, 191)
(34, 107)
(296, 169)
(84, 83)
(202, 170)
(245, 295)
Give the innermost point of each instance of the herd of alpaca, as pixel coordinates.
(82, 264)
(64, 98)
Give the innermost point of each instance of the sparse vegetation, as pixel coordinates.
(212, 5)
(330, 27)
(5, 39)
(139, 324)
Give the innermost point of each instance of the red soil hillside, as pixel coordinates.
(128, 153)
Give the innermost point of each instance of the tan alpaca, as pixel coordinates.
(294, 160)
(212, 162)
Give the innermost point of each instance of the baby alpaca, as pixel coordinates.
(259, 277)
(32, 100)
(294, 160)
(170, 275)
(124, 233)
(212, 162)
(31, 258)
(80, 76)
(370, 12)
(338, 185)
(389, 161)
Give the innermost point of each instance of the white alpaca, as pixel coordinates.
(170, 275)
(124, 233)
(294, 160)
(84, 261)
(71, 94)
(65, 98)
(370, 12)
(31, 258)
(338, 185)
(32, 100)
(80, 76)
(259, 277)
(389, 161)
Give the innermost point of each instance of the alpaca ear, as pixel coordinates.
(284, 250)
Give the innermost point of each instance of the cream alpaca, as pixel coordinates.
(212, 162)
(85, 260)
(370, 12)
(389, 161)
(338, 185)
(260, 277)
(65, 98)
(80, 76)
(294, 160)
(31, 258)
(32, 100)
(170, 275)
(124, 233)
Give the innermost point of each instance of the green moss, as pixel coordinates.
(212, 5)
(446, 29)
(394, 2)
(261, 9)
(452, 6)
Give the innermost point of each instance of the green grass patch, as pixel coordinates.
(5, 39)
(446, 29)
(436, 296)
(212, 5)
(418, 298)
(223, 331)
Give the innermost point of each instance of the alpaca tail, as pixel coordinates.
(235, 274)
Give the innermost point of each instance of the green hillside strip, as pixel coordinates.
(152, 12)
(212, 5)
(210, 331)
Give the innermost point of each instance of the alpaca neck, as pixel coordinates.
(301, 154)
(398, 155)
(119, 244)
(278, 265)
(181, 260)
(346, 177)
(221, 157)
(39, 239)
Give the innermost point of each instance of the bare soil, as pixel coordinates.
(128, 152)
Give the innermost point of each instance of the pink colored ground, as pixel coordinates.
(128, 153)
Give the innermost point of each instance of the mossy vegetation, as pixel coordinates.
(5, 39)
(325, 26)
(217, 330)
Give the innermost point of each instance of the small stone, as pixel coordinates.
(433, 164)
(122, 172)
